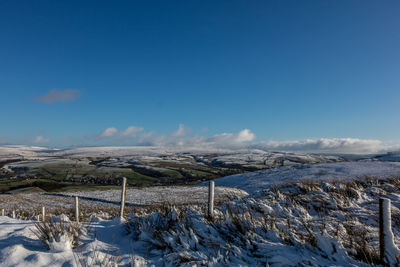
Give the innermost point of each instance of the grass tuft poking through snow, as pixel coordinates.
(93, 256)
(58, 236)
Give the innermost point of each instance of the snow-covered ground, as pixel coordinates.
(303, 215)
(255, 182)
(22, 151)
(107, 240)
(174, 195)
(391, 156)
(292, 224)
(96, 200)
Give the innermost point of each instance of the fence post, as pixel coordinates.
(13, 214)
(77, 209)
(43, 214)
(123, 196)
(211, 199)
(3, 212)
(387, 248)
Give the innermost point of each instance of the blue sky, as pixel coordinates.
(284, 70)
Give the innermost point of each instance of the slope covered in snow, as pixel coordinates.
(16, 151)
(391, 156)
(293, 224)
(255, 182)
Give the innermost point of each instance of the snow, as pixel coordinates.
(238, 237)
(301, 215)
(391, 156)
(21, 151)
(161, 194)
(252, 158)
(20, 247)
(255, 182)
(266, 231)
(32, 203)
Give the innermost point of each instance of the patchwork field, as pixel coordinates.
(22, 168)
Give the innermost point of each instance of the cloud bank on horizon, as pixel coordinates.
(329, 145)
(184, 139)
(243, 139)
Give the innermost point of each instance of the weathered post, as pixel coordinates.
(211, 199)
(3, 212)
(387, 248)
(13, 214)
(123, 196)
(43, 214)
(77, 209)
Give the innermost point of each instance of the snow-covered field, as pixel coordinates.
(96, 200)
(174, 195)
(291, 224)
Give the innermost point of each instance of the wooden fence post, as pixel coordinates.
(13, 214)
(123, 196)
(3, 212)
(43, 214)
(388, 250)
(77, 209)
(211, 199)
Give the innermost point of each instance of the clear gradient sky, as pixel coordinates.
(285, 70)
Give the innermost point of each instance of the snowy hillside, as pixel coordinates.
(12, 151)
(311, 211)
(291, 224)
(255, 182)
(392, 156)
(218, 156)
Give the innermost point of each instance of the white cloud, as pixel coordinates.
(327, 145)
(114, 132)
(56, 95)
(180, 132)
(131, 130)
(41, 139)
(109, 132)
(227, 139)
(245, 136)
(182, 138)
